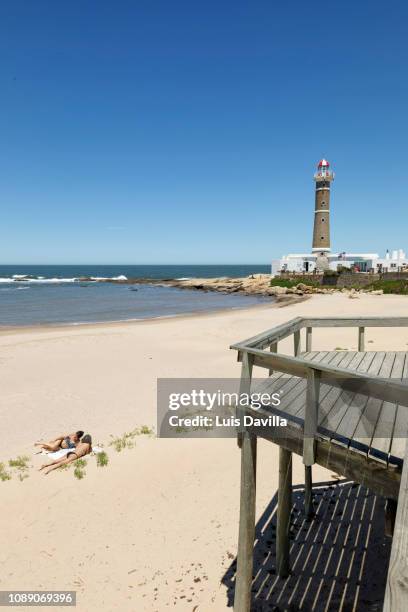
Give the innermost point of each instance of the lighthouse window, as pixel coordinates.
(322, 238)
(322, 220)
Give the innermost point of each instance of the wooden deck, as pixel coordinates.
(366, 425)
(347, 411)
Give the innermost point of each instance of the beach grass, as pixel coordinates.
(146, 430)
(127, 440)
(397, 286)
(289, 284)
(102, 459)
(4, 475)
(20, 464)
(79, 471)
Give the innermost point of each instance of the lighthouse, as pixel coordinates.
(321, 258)
(321, 229)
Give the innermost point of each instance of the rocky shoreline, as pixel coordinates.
(257, 284)
(254, 285)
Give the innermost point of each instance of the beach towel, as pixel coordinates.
(57, 454)
(64, 451)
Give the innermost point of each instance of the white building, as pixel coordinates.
(359, 262)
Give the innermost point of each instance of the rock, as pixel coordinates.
(376, 292)
(353, 296)
(277, 290)
(304, 288)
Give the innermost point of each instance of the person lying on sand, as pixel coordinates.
(84, 447)
(64, 441)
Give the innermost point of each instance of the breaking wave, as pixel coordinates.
(26, 278)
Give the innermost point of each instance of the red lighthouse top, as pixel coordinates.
(323, 171)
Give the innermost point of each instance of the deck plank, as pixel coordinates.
(332, 414)
(291, 386)
(293, 403)
(384, 431)
(400, 436)
(364, 430)
(280, 381)
(352, 420)
(355, 402)
(331, 398)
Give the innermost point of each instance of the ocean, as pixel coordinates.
(39, 295)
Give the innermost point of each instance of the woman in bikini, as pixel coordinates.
(84, 447)
(65, 441)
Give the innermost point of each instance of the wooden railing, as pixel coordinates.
(294, 326)
(252, 352)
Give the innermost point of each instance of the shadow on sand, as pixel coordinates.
(339, 560)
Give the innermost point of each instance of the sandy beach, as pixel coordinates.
(157, 528)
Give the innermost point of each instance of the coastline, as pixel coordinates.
(278, 302)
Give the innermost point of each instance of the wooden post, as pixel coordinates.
(309, 339)
(311, 416)
(361, 331)
(242, 599)
(308, 491)
(396, 592)
(244, 387)
(284, 510)
(273, 349)
(296, 343)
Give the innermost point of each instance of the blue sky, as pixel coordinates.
(188, 132)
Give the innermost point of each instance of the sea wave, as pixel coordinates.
(25, 278)
(121, 277)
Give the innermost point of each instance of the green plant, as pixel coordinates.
(398, 286)
(289, 283)
(102, 459)
(146, 430)
(79, 473)
(80, 465)
(330, 273)
(124, 441)
(3, 474)
(21, 465)
(127, 440)
(120, 443)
